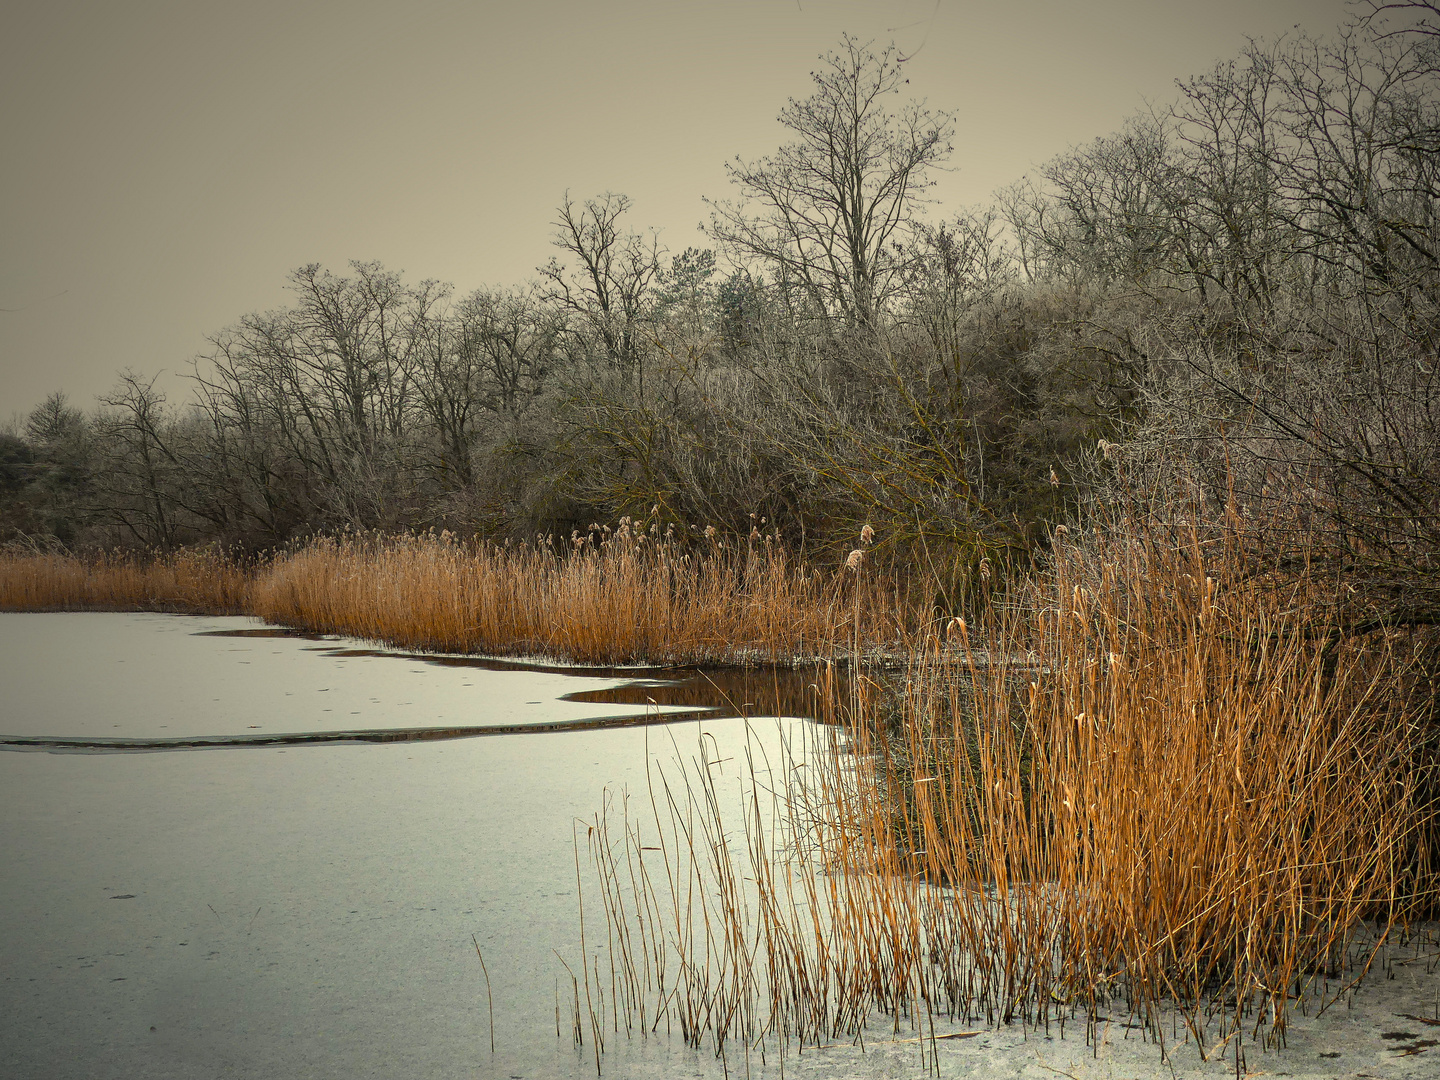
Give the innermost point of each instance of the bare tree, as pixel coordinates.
(480, 362)
(609, 293)
(320, 401)
(1102, 212)
(1392, 17)
(353, 339)
(822, 215)
(139, 466)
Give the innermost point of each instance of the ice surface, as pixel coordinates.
(87, 675)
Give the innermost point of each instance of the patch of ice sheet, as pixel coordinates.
(274, 912)
(103, 675)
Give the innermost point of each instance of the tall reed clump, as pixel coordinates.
(1155, 789)
(191, 580)
(611, 596)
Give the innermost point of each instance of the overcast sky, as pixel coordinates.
(163, 166)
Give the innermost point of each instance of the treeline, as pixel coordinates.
(1226, 312)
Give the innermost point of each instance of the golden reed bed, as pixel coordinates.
(1166, 796)
(613, 596)
(202, 581)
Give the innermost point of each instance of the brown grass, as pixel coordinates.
(610, 597)
(1163, 793)
(615, 596)
(200, 580)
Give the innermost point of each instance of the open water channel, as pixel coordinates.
(232, 851)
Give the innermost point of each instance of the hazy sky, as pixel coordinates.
(164, 165)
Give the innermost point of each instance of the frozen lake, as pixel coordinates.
(209, 869)
(266, 909)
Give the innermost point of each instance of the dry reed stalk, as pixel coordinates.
(1183, 800)
(614, 596)
(630, 595)
(203, 580)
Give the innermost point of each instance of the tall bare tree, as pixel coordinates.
(609, 293)
(823, 214)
